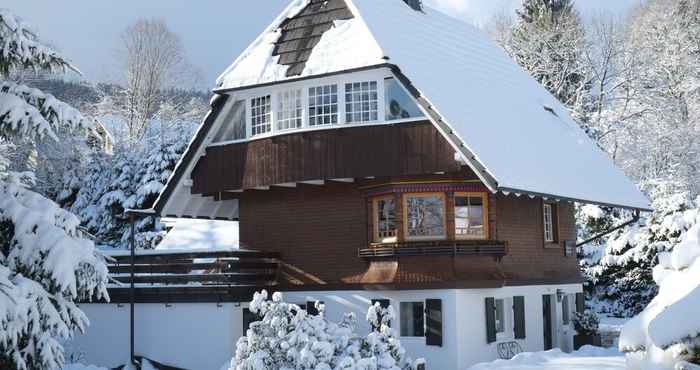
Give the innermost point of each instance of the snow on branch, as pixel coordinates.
(29, 112)
(20, 48)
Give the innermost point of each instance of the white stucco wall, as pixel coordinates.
(193, 336)
(203, 336)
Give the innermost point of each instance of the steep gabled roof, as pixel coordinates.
(514, 134)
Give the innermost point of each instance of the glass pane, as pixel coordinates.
(469, 217)
(361, 100)
(412, 319)
(386, 218)
(233, 126)
(398, 104)
(500, 316)
(425, 216)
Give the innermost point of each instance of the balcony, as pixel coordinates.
(489, 248)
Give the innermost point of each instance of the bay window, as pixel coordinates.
(384, 210)
(471, 217)
(424, 216)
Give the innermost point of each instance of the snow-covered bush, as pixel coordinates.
(619, 272)
(667, 333)
(586, 323)
(45, 263)
(288, 338)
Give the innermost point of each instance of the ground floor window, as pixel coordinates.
(412, 319)
(503, 317)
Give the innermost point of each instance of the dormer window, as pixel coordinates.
(323, 105)
(361, 102)
(260, 115)
(289, 110)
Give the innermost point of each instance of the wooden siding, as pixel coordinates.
(318, 229)
(357, 152)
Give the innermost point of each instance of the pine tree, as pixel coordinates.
(548, 41)
(46, 265)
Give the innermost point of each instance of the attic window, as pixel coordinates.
(415, 4)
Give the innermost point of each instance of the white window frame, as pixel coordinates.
(378, 75)
(378, 85)
(548, 222)
(276, 100)
(270, 113)
(508, 317)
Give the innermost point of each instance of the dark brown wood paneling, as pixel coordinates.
(358, 152)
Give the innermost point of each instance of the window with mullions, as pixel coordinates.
(289, 108)
(323, 105)
(260, 115)
(424, 216)
(384, 210)
(470, 216)
(361, 102)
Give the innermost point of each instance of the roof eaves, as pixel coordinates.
(569, 199)
(469, 157)
(217, 104)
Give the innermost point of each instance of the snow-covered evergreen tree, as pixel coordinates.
(45, 263)
(549, 41)
(288, 338)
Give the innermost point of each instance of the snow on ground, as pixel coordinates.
(83, 367)
(587, 358)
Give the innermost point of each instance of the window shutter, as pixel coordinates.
(311, 308)
(433, 320)
(580, 303)
(490, 320)
(519, 317)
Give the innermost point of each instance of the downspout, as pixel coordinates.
(635, 218)
(133, 214)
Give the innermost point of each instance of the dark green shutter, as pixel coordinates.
(433, 320)
(580, 303)
(519, 317)
(490, 320)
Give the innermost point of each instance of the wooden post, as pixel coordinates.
(132, 293)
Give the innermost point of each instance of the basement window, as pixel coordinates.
(412, 319)
(260, 115)
(323, 105)
(361, 102)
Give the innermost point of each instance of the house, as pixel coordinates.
(380, 151)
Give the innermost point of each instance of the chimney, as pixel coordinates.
(415, 4)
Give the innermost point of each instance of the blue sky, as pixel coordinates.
(213, 32)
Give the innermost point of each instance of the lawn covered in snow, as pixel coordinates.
(587, 358)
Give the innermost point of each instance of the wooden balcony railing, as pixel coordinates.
(491, 248)
(210, 268)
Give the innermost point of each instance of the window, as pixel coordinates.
(361, 102)
(549, 211)
(503, 316)
(289, 110)
(260, 115)
(384, 220)
(233, 126)
(323, 105)
(412, 317)
(424, 216)
(471, 216)
(398, 104)
(566, 308)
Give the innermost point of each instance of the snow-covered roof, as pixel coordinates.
(192, 234)
(512, 132)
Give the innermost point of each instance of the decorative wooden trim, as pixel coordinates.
(485, 214)
(404, 202)
(490, 248)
